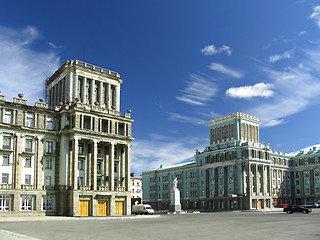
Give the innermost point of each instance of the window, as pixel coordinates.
(47, 203)
(297, 182)
(7, 117)
(99, 167)
(317, 180)
(307, 181)
(27, 180)
(48, 181)
(230, 169)
(202, 184)
(187, 185)
(4, 202)
(221, 191)
(27, 162)
(80, 149)
(5, 178)
(221, 170)
(316, 172)
(115, 167)
(307, 173)
(28, 147)
(5, 159)
(81, 164)
(231, 180)
(28, 202)
(297, 174)
(202, 193)
(80, 181)
(6, 142)
(49, 124)
(29, 120)
(221, 181)
(49, 147)
(49, 163)
(212, 182)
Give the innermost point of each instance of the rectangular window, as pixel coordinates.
(307, 173)
(48, 203)
(80, 149)
(221, 181)
(80, 181)
(28, 147)
(5, 159)
(81, 164)
(5, 178)
(4, 202)
(27, 162)
(115, 167)
(29, 120)
(317, 180)
(231, 180)
(49, 124)
(28, 202)
(212, 182)
(49, 147)
(99, 167)
(6, 142)
(230, 169)
(27, 180)
(7, 117)
(307, 181)
(316, 172)
(48, 181)
(49, 163)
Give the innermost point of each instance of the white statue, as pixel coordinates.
(175, 184)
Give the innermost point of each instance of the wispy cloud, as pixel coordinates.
(21, 67)
(199, 90)
(295, 89)
(286, 54)
(257, 90)
(188, 119)
(53, 45)
(225, 70)
(302, 33)
(316, 15)
(213, 50)
(150, 153)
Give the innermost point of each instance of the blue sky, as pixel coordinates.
(182, 62)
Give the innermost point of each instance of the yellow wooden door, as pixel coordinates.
(119, 208)
(102, 208)
(84, 207)
(260, 204)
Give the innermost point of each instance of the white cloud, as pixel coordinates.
(225, 70)
(316, 15)
(22, 67)
(181, 118)
(199, 90)
(257, 90)
(147, 154)
(302, 33)
(275, 58)
(297, 88)
(213, 50)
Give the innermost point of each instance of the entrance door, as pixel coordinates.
(260, 204)
(84, 207)
(102, 208)
(119, 208)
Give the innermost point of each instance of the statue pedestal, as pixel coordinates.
(175, 205)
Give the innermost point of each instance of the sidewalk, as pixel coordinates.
(62, 218)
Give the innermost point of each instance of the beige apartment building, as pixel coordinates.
(70, 156)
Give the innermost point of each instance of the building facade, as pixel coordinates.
(136, 189)
(237, 171)
(71, 156)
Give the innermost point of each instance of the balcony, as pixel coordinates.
(103, 188)
(120, 189)
(6, 186)
(28, 187)
(84, 188)
(47, 187)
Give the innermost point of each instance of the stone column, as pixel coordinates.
(128, 165)
(84, 84)
(101, 103)
(250, 180)
(123, 167)
(257, 179)
(106, 168)
(75, 86)
(111, 168)
(108, 96)
(75, 146)
(117, 98)
(92, 95)
(17, 160)
(94, 163)
(39, 161)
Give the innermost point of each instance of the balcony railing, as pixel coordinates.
(6, 186)
(28, 187)
(46, 187)
(119, 189)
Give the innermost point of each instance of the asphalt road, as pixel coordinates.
(218, 225)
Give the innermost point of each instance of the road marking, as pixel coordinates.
(7, 235)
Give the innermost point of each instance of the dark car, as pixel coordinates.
(292, 209)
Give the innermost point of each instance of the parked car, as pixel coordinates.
(142, 209)
(312, 205)
(292, 209)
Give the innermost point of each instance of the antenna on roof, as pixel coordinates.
(45, 88)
